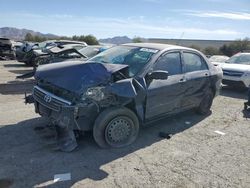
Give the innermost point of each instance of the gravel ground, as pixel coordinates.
(195, 156)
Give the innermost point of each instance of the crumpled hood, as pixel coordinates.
(235, 67)
(76, 76)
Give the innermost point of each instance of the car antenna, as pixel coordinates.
(182, 34)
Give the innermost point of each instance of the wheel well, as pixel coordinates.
(131, 106)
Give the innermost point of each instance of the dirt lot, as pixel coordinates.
(195, 156)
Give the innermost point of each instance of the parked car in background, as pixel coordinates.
(236, 70)
(23, 50)
(6, 50)
(57, 54)
(218, 59)
(41, 49)
(120, 89)
(70, 52)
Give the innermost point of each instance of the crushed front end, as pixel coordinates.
(73, 94)
(67, 116)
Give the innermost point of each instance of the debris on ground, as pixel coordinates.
(62, 177)
(165, 135)
(219, 132)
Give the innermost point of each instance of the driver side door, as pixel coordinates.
(164, 96)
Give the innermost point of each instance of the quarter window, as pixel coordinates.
(170, 62)
(193, 62)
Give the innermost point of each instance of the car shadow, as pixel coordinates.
(28, 159)
(21, 71)
(10, 65)
(17, 87)
(234, 92)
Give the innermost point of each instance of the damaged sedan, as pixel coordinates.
(6, 49)
(70, 52)
(121, 89)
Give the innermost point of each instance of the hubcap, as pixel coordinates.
(118, 130)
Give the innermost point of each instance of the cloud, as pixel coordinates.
(217, 14)
(103, 27)
(61, 16)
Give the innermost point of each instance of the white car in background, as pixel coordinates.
(218, 59)
(236, 70)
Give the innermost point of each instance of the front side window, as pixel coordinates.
(135, 57)
(193, 62)
(170, 62)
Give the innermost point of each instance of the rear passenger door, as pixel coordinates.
(196, 78)
(164, 96)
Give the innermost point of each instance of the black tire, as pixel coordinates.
(206, 103)
(113, 124)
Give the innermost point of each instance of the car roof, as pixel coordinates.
(219, 56)
(245, 53)
(157, 46)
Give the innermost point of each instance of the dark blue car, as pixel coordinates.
(123, 88)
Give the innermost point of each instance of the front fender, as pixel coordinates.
(130, 91)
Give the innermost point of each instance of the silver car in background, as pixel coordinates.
(236, 70)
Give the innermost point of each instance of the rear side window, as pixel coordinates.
(193, 62)
(170, 62)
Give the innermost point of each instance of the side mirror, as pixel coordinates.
(158, 75)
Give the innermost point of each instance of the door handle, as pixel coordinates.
(206, 74)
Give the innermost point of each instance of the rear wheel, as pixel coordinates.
(206, 103)
(116, 127)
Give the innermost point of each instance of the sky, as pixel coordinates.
(187, 19)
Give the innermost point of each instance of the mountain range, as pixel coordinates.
(19, 34)
(116, 40)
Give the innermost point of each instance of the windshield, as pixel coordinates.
(135, 57)
(220, 59)
(240, 59)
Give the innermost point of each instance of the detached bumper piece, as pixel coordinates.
(66, 139)
(28, 99)
(65, 117)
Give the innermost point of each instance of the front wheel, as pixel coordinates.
(116, 127)
(206, 103)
